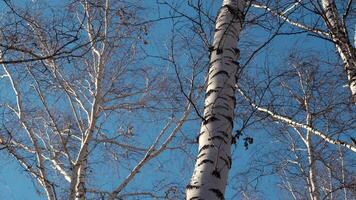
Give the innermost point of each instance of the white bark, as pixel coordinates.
(77, 187)
(330, 184)
(288, 185)
(152, 152)
(342, 173)
(42, 172)
(337, 33)
(214, 158)
(313, 187)
(284, 17)
(343, 45)
(296, 124)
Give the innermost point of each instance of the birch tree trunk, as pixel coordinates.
(214, 158)
(343, 45)
(313, 183)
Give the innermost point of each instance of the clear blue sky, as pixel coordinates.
(16, 185)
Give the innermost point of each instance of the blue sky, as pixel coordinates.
(15, 183)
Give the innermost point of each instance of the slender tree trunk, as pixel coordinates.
(343, 173)
(78, 183)
(214, 158)
(41, 175)
(340, 38)
(313, 183)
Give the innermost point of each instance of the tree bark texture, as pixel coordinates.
(214, 156)
(343, 45)
(312, 173)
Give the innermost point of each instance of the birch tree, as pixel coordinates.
(338, 19)
(214, 156)
(89, 114)
(309, 166)
(67, 116)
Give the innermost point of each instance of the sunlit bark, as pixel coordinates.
(214, 157)
(313, 183)
(296, 124)
(337, 33)
(41, 173)
(339, 36)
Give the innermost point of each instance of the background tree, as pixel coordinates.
(338, 18)
(308, 165)
(69, 114)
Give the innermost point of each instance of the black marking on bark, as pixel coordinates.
(207, 146)
(206, 161)
(233, 98)
(203, 154)
(216, 173)
(210, 104)
(214, 61)
(217, 137)
(196, 198)
(223, 24)
(219, 51)
(211, 48)
(209, 114)
(229, 58)
(221, 72)
(231, 50)
(222, 97)
(210, 119)
(226, 107)
(226, 161)
(208, 84)
(237, 51)
(197, 138)
(190, 187)
(235, 62)
(208, 93)
(218, 193)
(230, 160)
(224, 134)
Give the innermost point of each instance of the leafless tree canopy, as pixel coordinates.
(104, 99)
